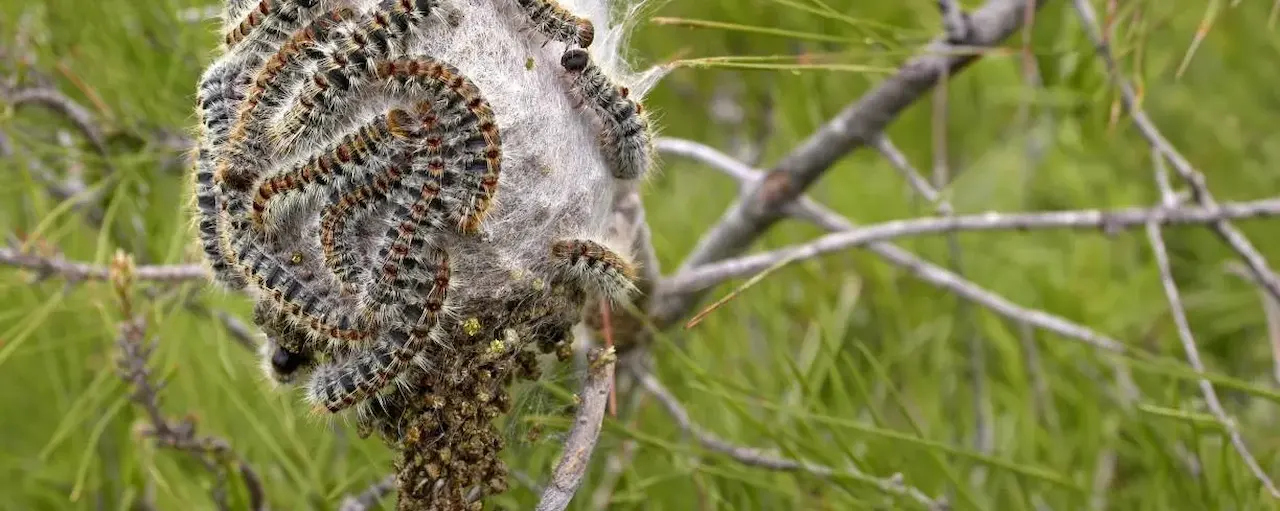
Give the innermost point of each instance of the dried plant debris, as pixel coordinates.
(416, 210)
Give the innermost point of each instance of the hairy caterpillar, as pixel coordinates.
(273, 82)
(337, 386)
(595, 267)
(626, 140)
(214, 113)
(557, 23)
(343, 253)
(264, 27)
(353, 157)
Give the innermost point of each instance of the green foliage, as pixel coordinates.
(844, 361)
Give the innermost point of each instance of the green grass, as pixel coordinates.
(844, 361)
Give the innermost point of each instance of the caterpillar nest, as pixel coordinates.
(417, 195)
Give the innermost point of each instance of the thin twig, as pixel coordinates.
(1168, 201)
(619, 458)
(581, 441)
(748, 218)
(899, 161)
(1257, 263)
(1107, 220)
(56, 101)
(240, 332)
(45, 266)
(1271, 312)
(133, 361)
(893, 485)
(924, 270)
(1041, 394)
(370, 497)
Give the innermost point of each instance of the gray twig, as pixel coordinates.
(755, 457)
(1163, 151)
(56, 101)
(1169, 201)
(370, 496)
(46, 266)
(1271, 311)
(135, 354)
(1256, 262)
(1107, 220)
(581, 441)
(806, 209)
(767, 202)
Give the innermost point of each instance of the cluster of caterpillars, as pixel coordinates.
(334, 216)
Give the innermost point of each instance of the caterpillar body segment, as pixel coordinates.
(233, 11)
(595, 267)
(208, 225)
(264, 27)
(344, 250)
(346, 67)
(556, 23)
(382, 32)
(275, 80)
(626, 139)
(416, 212)
(338, 386)
(475, 141)
(314, 307)
(213, 111)
(355, 156)
(465, 120)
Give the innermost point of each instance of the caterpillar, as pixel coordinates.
(343, 254)
(595, 267)
(626, 139)
(337, 386)
(558, 24)
(356, 155)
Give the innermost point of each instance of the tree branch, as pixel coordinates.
(1107, 220)
(581, 441)
(1168, 201)
(1256, 262)
(748, 218)
(45, 266)
(924, 270)
(752, 456)
(56, 101)
(134, 358)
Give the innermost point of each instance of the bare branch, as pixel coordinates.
(917, 181)
(750, 217)
(1271, 311)
(581, 441)
(1107, 220)
(239, 331)
(45, 266)
(803, 208)
(755, 457)
(56, 101)
(1169, 200)
(1257, 263)
(954, 21)
(370, 497)
(135, 355)
(918, 267)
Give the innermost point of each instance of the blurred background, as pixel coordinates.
(844, 361)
